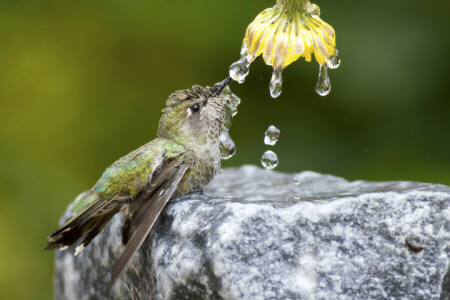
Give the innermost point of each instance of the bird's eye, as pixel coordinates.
(195, 108)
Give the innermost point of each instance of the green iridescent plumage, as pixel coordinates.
(129, 174)
(183, 158)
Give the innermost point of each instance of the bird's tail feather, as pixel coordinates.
(87, 223)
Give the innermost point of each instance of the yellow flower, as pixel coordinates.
(284, 33)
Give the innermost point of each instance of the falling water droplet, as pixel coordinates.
(230, 112)
(227, 146)
(272, 135)
(334, 61)
(296, 180)
(323, 86)
(269, 160)
(276, 83)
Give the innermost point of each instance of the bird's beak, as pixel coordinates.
(221, 85)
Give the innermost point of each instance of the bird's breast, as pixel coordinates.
(202, 169)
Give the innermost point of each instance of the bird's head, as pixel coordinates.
(194, 117)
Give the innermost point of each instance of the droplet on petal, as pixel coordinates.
(323, 86)
(296, 180)
(334, 61)
(276, 83)
(269, 160)
(284, 33)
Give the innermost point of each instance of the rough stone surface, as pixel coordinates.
(254, 234)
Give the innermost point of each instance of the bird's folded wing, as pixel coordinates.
(151, 202)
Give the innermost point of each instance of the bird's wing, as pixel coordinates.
(127, 176)
(126, 179)
(147, 209)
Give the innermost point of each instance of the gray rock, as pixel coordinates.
(254, 234)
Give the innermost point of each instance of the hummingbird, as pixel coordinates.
(182, 159)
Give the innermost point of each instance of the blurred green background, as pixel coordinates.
(83, 83)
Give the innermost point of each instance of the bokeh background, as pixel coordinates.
(83, 83)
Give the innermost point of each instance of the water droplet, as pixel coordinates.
(244, 50)
(231, 98)
(229, 112)
(227, 146)
(296, 197)
(239, 70)
(276, 83)
(234, 100)
(323, 86)
(272, 135)
(297, 180)
(334, 61)
(269, 160)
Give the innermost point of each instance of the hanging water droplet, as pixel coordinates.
(276, 83)
(244, 50)
(269, 160)
(271, 136)
(334, 61)
(250, 57)
(323, 86)
(227, 146)
(239, 70)
(296, 180)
